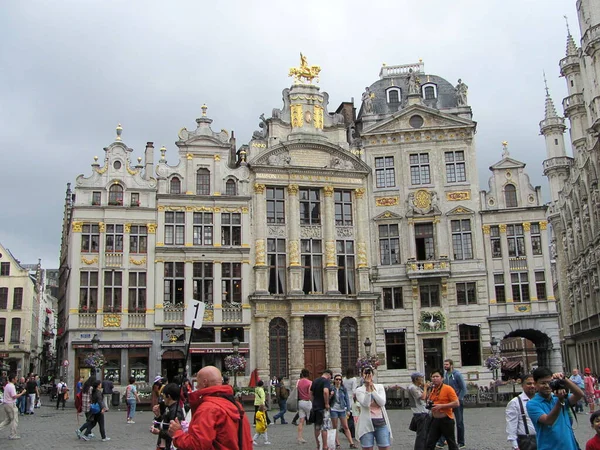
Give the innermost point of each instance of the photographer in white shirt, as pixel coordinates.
(514, 417)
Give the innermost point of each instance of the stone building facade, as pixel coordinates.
(575, 202)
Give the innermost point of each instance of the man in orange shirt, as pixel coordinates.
(441, 399)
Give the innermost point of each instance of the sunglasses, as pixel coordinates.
(337, 379)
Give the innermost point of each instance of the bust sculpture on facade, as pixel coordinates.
(461, 93)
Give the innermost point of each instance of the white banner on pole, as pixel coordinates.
(194, 314)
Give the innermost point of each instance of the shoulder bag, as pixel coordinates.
(292, 400)
(526, 441)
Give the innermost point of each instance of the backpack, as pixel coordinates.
(284, 393)
(78, 402)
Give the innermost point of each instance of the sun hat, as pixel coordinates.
(157, 378)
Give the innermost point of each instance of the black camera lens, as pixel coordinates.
(557, 384)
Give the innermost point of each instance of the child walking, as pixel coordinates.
(261, 425)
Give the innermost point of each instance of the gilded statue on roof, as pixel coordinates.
(306, 72)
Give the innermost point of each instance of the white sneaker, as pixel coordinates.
(267, 443)
(106, 439)
(255, 443)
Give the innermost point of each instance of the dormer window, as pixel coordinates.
(510, 196)
(394, 95)
(429, 91)
(230, 187)
(203, 182)
(115, 195)
(175, 187)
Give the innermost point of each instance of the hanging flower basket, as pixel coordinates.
(494, 362)
(367, 361)
(235, 363)
(95, 359)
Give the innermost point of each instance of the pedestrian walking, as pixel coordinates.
(86, 393)
(455, 380)
(21, 401)
(304, 402)
(321, 395)
(9, 404)
(578, 380)
(588, 382)
(132, 398)
(96, 415)
(519, 427)
(350, 383)
(373, 423)
(156, 387)
(162, 419)
(107, 392)
(340, 410)
(281, 395)
(260, 399)
(261, 426)
(442, 399)
(417, 394)
(32, 393)
(61, 392)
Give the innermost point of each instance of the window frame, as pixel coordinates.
(535, 234)
(174, 283)
(115, 195)
(470, 341)
(520, 287)
(17, 298)
(346, 263)
(88, 291)
(15, 330)
(395, 347)
(469, 296)
(389, 91)
(343, 207)
(495, 241)
(203, 228)
(203, 181)
(114, 233)
(389, 244)
(420, 169)
(499, 288)
(540, 285)
(456, 169)
(174, 228)
(462, 239)
(278, 347)
(310, 201)
(511, 199)
(112, 301)
(515, 237)
(277, 266)
(229, 190)
(3, 298)
(231, 284)
(275, 198)
(96, 198)
(203, 281)
(2, 330)
(426, 290)
(231, 229)
(90, 238)
(385, 172)
(138, 239)
(391, 298)
(5, 269)
(311, 259)
(137, 292)
(175, 185)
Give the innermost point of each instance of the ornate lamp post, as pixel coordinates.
(236, 347)
(367, 345)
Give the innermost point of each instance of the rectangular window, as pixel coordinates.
(3, 298)
(113, 291)
(312, 266)
(419, 168)
(470, 346)
(2, 330)
(395, 350)
(203, 282)
(495, 241)
(540, 285)
(231, 229)
(96, 198)
(137, 292)
(15, 331)
(276, 259)
(88, 291)
(389, 244)
(203, 182)
(462, 242)
(536, 238)
(520, 286)
(18, 298)
(90, 238)
(466, 293)
(430, 295)
(346, 267)
(310, 206)
(135, 199)
(455, 167)
(424, 241)
(174, 283)
(499, 287)
(174, 228)
(343, 208)
(114, 238)
(203, 228)
(138, 239)
(385, 175)
(275, 205)
(392, 298)
(516, 240)
(5, 269)
(231, 284)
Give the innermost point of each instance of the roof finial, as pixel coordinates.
(567, 22)
(545, 82)
(204, 108)
(505, 152)
(119, 131)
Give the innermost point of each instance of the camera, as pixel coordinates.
(429, 404)
(368, 371)
(557, 384)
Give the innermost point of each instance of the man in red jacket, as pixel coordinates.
(218, 421)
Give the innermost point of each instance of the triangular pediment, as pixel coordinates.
(387, 215)
(433, 119)
(460, 210)
(317, 156)
(507, 163)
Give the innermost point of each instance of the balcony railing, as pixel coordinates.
(87, 320)
(136, 320)
(590, 38)
(430, 268)
(113, 259)
(517, 263)
(572, 101)
(232, 314)
(174, 313)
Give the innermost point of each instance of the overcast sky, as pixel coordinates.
(71, 70)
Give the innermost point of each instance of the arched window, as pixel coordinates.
(175, 187)
(203, 182)
(429, 92)
(348, 343)
(115, 195)
(230, 187)
(278, 347)
(510, 196)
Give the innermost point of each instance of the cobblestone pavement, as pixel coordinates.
(51, 429)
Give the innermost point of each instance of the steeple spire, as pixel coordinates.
(550, 109)
(571, 47)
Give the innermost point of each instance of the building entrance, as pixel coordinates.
(434, 355)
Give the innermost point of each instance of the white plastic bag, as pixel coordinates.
(331, 439)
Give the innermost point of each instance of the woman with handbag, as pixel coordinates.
(96, 415)
(417, 395)
(132, 398)
(340, 410)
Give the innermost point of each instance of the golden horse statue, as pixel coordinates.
(306, 72)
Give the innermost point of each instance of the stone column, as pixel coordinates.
(491, 289)
(293, 227)
(362, 225)
(334, 350)
(189, 226)
(159, 312)
(190, 176)
(216, 176)
(262, 352)
(296, 347)
(530, 265)
(331, 286)
(160, 229)
(412, 248)
(216, 226)
(217, 292)
(547, 268)
(505, 262)
(260, 231)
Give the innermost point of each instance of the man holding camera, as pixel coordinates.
(440, 401)
(549, 410)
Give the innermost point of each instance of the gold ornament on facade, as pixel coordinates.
(137, 262)
(486, 229)
(260, 252)
(306, 72)
(127, 227)
(296, 114)
(293, 189)
(209, 315)
(360, 193)
(151, 228)
(502, 228)
(189, 156)
(89, 262)
(330, 254)
(101, 227)
(104, 169)
(362, 255)
(386, 201)
(77, 227)
(259, 188)
(526, 226)
(458, 196)
(217, 157)
(422, 199)
(543, 225)
(244, 209)
(112, 320)
(328, 191)
(131, 171)
(294, 253)
(318, 113)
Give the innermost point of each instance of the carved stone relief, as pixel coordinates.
(276, 231)
(310, 232)
(344, 232)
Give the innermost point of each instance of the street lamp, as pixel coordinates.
(95, 346)
(236, 347)
(367, 345)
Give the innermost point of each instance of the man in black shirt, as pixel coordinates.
(32, 393)
(321, 393)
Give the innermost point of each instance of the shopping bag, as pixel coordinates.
(292, 400)
(331, 439)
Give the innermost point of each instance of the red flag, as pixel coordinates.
(253, 378)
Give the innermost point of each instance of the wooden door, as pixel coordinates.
(314, 358)
(434, 355)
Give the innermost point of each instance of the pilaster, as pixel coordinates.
(334, 357)
(262, 355)
(296, 347)
(329, 238)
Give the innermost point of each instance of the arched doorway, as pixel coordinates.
(520, 357)
(173, 364)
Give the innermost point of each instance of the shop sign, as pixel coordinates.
(3, 355)
(88, 345)
(217, 350)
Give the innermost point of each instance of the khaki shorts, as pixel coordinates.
(304, 407)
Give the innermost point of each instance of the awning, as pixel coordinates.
(511, 365)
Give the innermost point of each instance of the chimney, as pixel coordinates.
(149, 160)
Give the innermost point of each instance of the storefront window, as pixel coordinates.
(138, 364)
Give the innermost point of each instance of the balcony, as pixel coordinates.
(567, 62)
(430, 268)
(557, 163)
(113, 259)
(232, 314)
(591, 40)
(518, 263)
(87, 320)
(572, 102)
(516, 309)
(136, 320)
(174, 313)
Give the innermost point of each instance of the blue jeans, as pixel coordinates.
(282, 411)
(21, 404)
(131, 405)
(460, 426)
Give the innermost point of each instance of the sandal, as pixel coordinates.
(353, 445)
